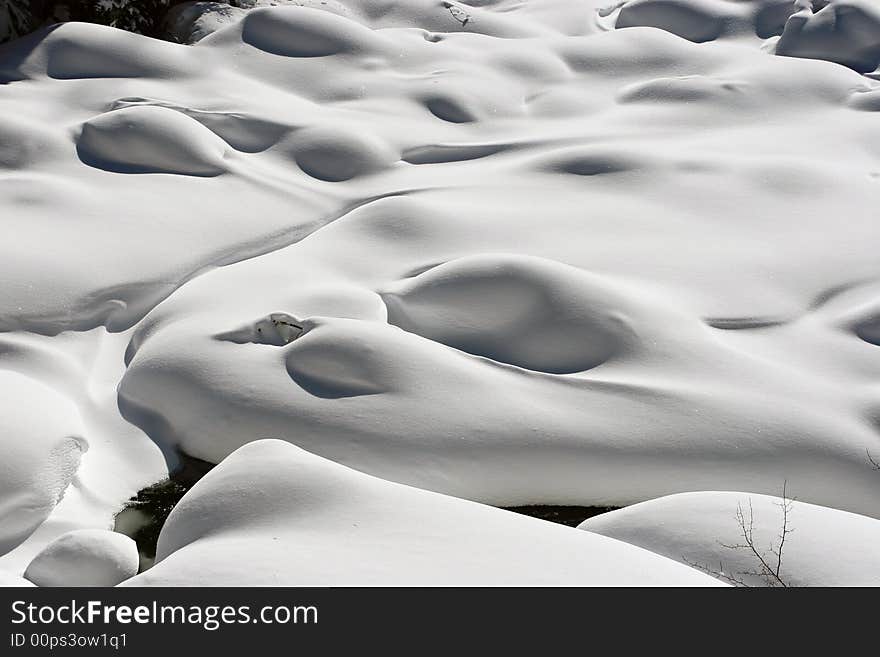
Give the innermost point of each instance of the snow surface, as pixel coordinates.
(10, 580)
(826, 547)
(85, 557)
(274, 515)
(557, 252)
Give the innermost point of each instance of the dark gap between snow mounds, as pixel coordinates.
(143, 515)
(570, 516)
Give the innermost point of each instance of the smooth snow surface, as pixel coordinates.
(41, 454)
(8, 579)
(274, 515)
(575, 252)
(85, 557)
(826, 547)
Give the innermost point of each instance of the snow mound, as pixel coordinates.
(342, 361)
(675, 244)
(843, 31)
(846, 32)
(667, 385)
(707, 20)
(83, 51)
(85, 557)
(335, 154)
(825, 547)
(150, 139)
(305, 32)
(42, 448)
(695, 20)
(528, 312)
(273, 514)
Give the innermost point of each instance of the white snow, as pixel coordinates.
(151, 139)
(826, 547)
(47, 428)
(41, 453)
(85, 557)
(274, 515)
(542, 252)
(8, 579)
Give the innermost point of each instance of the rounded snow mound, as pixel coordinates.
(304, 32)
(707, 20)
(696, 21)
(525, 311)
(713, 532)
(85, 557)
(337, 153)
(338, 358)
(846, 32)
(72, 51)
(305, 520)
(843, 31)
(151, 139)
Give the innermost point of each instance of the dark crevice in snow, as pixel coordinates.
(144, 514)
(571, 516)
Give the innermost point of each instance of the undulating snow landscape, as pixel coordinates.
(396, 266)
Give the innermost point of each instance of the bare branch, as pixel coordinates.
(717, 574)
(769, 570)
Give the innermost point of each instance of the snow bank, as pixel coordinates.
(825, 547)
(50, 484)
(842, 31)
(631, 317)
(273, 514)
(528, 253)
(42, 447)
(86, 557)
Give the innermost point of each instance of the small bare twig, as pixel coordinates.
(769, 565)
(730, 578)
(874, 463)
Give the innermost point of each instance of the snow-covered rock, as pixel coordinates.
(85, 557)
(713, 531)
(273, 514)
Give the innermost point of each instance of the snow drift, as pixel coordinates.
(560, 252)
(826, 547)
(272, 514)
